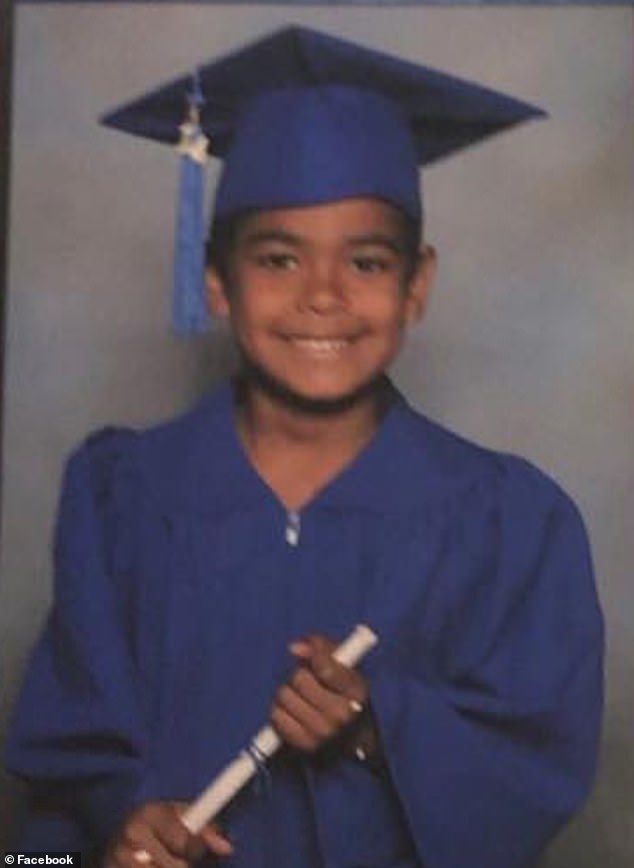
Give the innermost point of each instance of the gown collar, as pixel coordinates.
(409, 462)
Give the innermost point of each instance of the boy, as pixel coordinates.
(207, 568)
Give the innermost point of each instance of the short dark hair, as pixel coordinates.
(221, 242)
(224, 231)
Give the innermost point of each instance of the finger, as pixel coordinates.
(155, 835)
(145, 852)
(181, 839)
(307, 645)
(331, 674)
(338, 708)
(142, 857)
(174, 836)
(215, 841)
(320, 712)
(300, 649)
(292, 732)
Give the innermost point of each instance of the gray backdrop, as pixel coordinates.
(528, 345)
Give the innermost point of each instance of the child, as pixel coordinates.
(207, 568)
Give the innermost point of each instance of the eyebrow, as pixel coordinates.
(264, 236)
(376, 238)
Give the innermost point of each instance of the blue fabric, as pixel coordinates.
(304, 146)
(189, 307)
(176, 596)
(302, 117)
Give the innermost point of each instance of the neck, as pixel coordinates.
(261, 417)
(298, 451)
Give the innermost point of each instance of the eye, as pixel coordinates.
(273, 260)
(372, 263)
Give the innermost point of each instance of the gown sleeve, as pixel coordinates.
(494, 749)
(77, 735)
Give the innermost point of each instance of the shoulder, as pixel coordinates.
(512, 518)
(163, 442)
(151, 455)
(462, 467)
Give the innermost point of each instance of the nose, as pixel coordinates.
(322, 290)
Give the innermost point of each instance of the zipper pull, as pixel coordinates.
(293, 526)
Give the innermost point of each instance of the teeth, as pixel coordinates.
(320, 345)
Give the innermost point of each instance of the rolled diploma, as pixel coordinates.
(235, 775)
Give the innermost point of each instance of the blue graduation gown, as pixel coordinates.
(177, 592)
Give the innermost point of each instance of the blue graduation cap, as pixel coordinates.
(299, 118)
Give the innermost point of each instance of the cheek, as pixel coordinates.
(254, 326)
(248, 307)
(388, 310)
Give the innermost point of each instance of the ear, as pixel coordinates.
(217, 299)
(419, 285)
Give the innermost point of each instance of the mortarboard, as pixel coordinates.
(300, 118)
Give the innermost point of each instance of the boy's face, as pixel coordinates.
(320, 295)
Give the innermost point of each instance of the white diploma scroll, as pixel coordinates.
(235, 775)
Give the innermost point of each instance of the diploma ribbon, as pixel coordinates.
(263, 779)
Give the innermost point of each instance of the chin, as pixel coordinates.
(314, 403)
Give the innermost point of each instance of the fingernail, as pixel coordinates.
(300, 649)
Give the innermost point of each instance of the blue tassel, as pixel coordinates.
(189, 308)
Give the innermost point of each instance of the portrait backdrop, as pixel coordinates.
(528, 345)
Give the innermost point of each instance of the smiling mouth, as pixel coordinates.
(326, 347)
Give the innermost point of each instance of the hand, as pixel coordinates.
(321, 699)
(153, 836)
